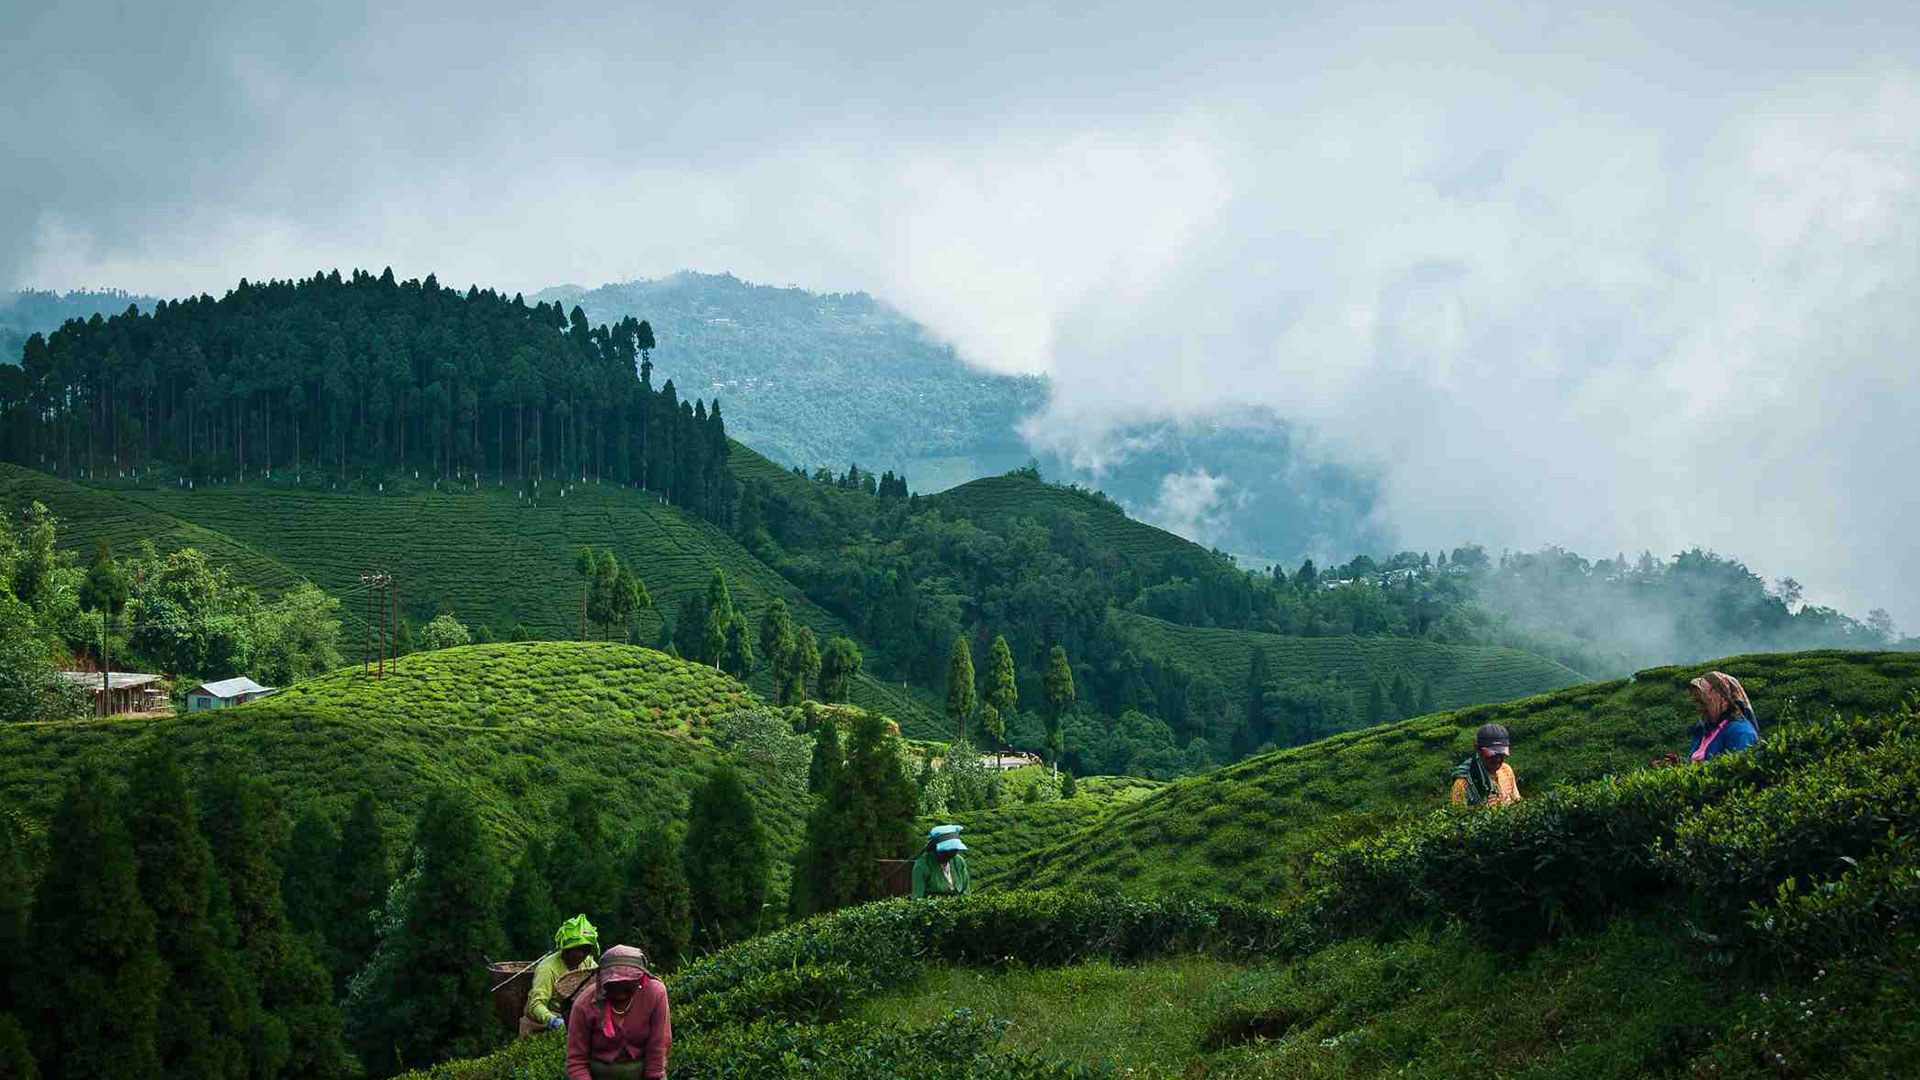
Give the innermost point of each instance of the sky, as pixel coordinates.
(1639, 278)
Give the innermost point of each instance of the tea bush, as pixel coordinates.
(1801, 804)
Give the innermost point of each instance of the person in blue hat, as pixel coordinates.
(941, 870)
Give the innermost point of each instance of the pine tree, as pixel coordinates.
(93, 941)
(1259, 728)
(1376, 703)
(826, 757)
(1068, 789)
(301, 1034)
(655, 904)
(960, 692)
(838, 665)
(713, 643)
(726, 860)
(866, 815)
(307, 865)
(777, 645)
(1426, 698)
(1401, 696)
(1003, 691)
(1058, 696)
(805, 669)
(585, 877)
(431, 1001)
(528, 914)
(736, 655)
(211, 1002)
(362, 876)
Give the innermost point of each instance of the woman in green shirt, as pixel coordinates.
(574, 946)
(941, 870)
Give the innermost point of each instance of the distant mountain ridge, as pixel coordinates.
(829, 379)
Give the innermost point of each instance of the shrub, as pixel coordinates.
(1736, 827)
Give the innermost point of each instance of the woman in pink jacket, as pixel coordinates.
(620, 1030)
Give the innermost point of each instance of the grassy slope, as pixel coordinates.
(1001, 837)
(1241, 831)
(1458, 674)
(88, 515)
(488, 557)
(994, 499)
(514, 724)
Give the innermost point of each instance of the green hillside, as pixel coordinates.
(515, 725)
(488, 557)
(992, 501)
(1751, 918)
(1456, 675)
(1244, 831)
(89, 515)
(1000, 838)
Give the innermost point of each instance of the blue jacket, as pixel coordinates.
(1737, 735)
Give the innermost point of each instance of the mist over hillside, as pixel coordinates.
(38, 311)
(829, 379)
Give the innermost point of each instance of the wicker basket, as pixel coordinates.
(512, 981)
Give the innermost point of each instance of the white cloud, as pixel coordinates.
(1611, 280)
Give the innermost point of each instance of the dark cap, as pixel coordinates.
(1492, 737)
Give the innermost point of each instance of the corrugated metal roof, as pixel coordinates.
(118, 680)
(226, 688)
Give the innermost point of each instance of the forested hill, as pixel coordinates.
(367, 379)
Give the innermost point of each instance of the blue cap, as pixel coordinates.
(939, 831)
(951, 844)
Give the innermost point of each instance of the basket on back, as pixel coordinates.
(512, 981)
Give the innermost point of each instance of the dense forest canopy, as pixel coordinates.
(363, 378)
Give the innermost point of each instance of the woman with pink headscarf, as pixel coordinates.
(1727, 723)
(621, 1029)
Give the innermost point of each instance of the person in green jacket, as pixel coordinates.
(574, 947)
(941, 870)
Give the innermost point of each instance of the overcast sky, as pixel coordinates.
(1643, 278)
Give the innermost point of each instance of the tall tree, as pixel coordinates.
(630, 598)
(726, 860)
(1259, 727)
(1057, 693)
(212, 1003)
(1402, 696)
(528, 915)
(585, 562)
(960, 689)
(93, 940)
(713, 644)
(1003, 690)
(302, 1034)
(736, 656)
(776, 643)
(424, 997)
(362, 875)
(838, 667)
(655, 903)
(866, 815)
(805, 668)
(826, 757)
(584, 874)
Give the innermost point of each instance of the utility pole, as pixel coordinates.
(373, 659)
